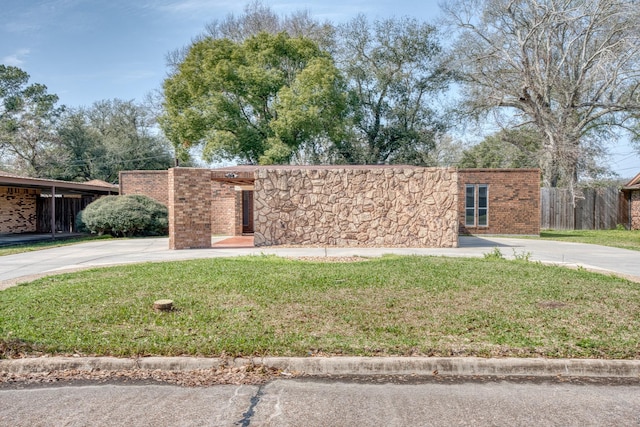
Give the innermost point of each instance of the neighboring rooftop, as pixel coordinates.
(634, 184)
(10, 179)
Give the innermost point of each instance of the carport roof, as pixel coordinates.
(632, 185)
(61, 187)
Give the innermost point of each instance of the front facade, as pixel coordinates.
(499, 201)
(396, 206)
(32, 205)
(631, 192)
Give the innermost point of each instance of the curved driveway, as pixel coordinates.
(26, 266)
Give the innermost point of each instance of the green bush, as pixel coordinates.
(132, 215)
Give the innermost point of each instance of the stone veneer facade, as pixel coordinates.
(634, 210)
(18, 207)
(148, 183)
(356, 206)
(513, 199)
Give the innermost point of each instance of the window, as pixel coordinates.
(476, 205)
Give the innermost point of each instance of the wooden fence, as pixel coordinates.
(594, 209)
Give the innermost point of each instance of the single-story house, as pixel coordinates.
(31, 205)
(631, 192)
(382, 205)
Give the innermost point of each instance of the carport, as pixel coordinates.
(35, 205)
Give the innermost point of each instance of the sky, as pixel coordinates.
(90, 50)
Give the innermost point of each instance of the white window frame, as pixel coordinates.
(475, 209)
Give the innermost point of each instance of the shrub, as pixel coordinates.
(131, 215)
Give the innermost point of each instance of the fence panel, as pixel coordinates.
(595, 209)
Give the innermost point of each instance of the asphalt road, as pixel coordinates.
(327, 403)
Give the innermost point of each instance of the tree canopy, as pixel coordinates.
(394, 73)
(111, 135)
(28, 116)
(257, 100)
(359, 93)
(509, 148)
(571, 68)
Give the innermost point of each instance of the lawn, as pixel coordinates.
(273, 306)
(617, 238)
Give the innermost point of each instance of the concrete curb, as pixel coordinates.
(319, 366)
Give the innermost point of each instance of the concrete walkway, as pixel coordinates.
(29, 265)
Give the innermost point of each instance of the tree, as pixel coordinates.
(517, 148)
(393, 73)
(110, 136)
(258, 18)
(571, 68)
(258, 100)
(28, 116)
(81, 149)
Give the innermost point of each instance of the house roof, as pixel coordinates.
(632, 185)
(61, 187)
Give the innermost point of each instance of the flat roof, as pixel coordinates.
(95, 186)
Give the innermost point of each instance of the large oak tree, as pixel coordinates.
(570, 68)
(258, 100)
(395, 74)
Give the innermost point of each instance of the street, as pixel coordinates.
(374, 401)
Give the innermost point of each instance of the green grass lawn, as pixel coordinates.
(273, 306)
(29, 247)
(617, 238)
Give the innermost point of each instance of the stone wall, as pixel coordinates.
(189, 208)
(149, 183)
(18, 210)
(356, 206)
(513, 199)
(634, 209)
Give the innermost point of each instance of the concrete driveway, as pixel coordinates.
(27, 266)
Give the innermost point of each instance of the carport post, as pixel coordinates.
(53, 212)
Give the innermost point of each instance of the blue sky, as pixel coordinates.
(89, 50)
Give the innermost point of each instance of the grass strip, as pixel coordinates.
(273, 306)
(624, 239)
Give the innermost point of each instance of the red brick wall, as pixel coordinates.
(223, 208)
(238, 214)
(514, 200)
(635, 210)
(149, 183)
(18, 210)
(189, 208)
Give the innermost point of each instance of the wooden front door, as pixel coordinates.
(247, 212)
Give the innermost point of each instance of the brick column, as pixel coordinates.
(189, 208)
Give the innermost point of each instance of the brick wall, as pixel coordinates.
(223, 208)
(238, 214)
(356, 206)
(149, 183)
(18, 210)
(513, 199)
(189, 208)
(635, 210)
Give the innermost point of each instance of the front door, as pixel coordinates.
(247, 212)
